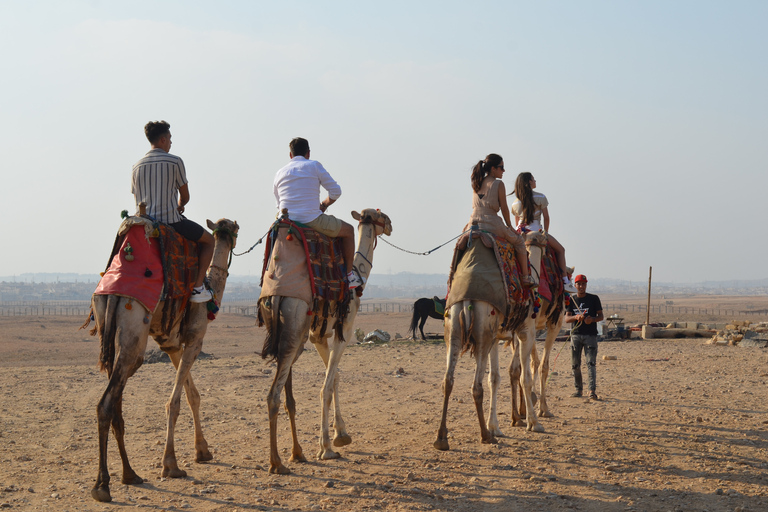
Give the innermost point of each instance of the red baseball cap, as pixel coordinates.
(579, 278)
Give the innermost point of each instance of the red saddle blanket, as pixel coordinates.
(299, 262)
(150, 262)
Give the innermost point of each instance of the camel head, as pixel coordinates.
(224, 227)
(375, 217)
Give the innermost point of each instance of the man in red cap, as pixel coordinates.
(584, 310)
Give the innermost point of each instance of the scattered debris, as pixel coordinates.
(377, 336)
(742, 333)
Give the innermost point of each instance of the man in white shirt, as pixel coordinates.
(297, 189)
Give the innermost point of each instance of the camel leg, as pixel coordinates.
(182, 360)
(293, 335)
(526, 337)
(453, 346)
(481, 360)
(297, 454)
(327, 395)
(131, 344)
(514, 378)
(552, 332)
(341, 437)
(494, 378)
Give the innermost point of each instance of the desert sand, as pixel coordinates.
(682, 425)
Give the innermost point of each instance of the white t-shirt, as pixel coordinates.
(539, 203)
(297, 188)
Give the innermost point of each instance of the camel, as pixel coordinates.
(289, 324)
(475, 325)
(129, 328)
(550, 316)
(422, 309)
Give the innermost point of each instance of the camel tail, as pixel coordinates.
(272, 341)
(108, 334)
(467, 324)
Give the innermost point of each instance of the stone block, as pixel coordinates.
(647, 332)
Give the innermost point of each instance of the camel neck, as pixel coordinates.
(366, 241)
(218, 272)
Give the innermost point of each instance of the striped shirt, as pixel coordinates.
(156, 181)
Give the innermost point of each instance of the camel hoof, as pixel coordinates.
(101, 494)
(546, 414)
(327, 455)
(342, 440)
(298, 457)
(204, 456)
(442, 445)
(132, 479)
(279, 470)
(174, 473)
(535, 427)
(490, 440)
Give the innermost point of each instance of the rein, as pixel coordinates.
(233, 238)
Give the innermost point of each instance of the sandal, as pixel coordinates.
(593, 396)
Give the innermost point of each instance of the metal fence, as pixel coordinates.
(82, 308)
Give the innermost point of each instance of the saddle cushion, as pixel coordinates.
(486, 269)
(299, 262)
(136, 270)
(149, 263)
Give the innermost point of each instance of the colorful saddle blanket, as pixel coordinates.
(150, 262)
(550, 284)
(484, 268)
(299, 262)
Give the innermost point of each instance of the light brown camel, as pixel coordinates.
(128, 330)
(550, 316)
(289, 325)
(475, 325)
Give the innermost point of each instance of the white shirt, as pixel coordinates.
(297, 188)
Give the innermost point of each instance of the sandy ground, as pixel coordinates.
(682, 426)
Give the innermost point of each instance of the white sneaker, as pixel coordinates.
(201, 294)
(355, 280)
(568, 286)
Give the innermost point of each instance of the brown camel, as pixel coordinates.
(475, 325)
(129, 330)
(550, 316)
(289, 325)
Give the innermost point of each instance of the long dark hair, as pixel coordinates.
(524, 193)
(483, 168)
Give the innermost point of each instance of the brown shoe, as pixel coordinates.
(576, 394)
(593, 396)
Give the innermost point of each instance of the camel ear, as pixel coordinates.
(211, 225)
(356, 215)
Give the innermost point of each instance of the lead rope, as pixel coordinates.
(427, 253)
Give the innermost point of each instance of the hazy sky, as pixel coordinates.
(644, 122)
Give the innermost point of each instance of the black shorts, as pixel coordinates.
(188, 229)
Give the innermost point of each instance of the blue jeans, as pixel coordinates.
(588, 342)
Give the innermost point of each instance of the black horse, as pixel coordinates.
(423, 309)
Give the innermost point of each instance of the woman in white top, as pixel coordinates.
(529, 209)
(488, 197)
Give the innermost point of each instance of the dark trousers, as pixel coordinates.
(587, 342)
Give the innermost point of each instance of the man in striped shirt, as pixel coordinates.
(160, 180)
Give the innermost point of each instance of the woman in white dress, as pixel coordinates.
(529, 209)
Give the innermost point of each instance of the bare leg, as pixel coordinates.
(204, 256)
(559, 251)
